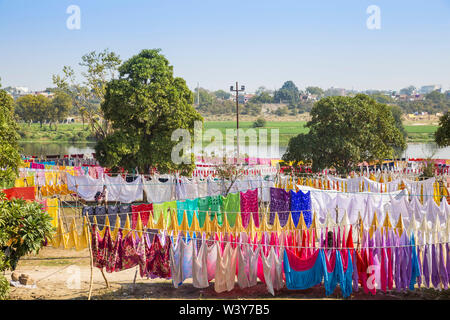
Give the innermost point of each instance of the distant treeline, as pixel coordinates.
(293, 101)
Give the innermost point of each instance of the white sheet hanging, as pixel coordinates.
(125, 192)
(85, 186)
(160, 188)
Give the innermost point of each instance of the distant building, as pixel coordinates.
(335, 92)
(430, 88)
(16, 92)
(44, 93)
(243, 98)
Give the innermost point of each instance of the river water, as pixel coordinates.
(414, 150)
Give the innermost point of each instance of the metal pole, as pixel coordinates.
(237, 118)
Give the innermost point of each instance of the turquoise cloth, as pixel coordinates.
(301, 280)
(190, 206)
(415, 269)
(339, 276)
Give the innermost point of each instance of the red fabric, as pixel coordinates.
(371, 263)
(383, 273)
(299, 264)
(345, 259)
(144, 210)
(331, 263)
(26, 193)
(390, 268)
(361, 264)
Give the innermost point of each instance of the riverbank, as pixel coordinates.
(79, 133)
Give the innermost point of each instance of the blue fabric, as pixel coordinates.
(301, 202)
(346, 282)
(331, 279)
(301, 280)
(338, 276)
(415, 269)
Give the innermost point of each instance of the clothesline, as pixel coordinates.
(316, 228)
(392, 193)
(280, 246)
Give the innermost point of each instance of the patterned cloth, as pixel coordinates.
(157, 264)
(145, 210)
(279, 202)
(249, 206)
(301, 203)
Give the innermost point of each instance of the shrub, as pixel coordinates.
(4, 288)
(24, 226)
(259, 123)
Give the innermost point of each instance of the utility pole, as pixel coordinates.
(237, 90)
(198, 95)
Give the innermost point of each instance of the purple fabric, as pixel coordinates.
(442, 269)
(435, 280)
(384, 265)
(404, 281)
(448, 261)
(419, 278)
(355, 272)
(279, 202)
(426, 268)
(397, 264)
(408, 256)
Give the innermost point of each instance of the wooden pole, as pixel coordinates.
(91, 260)
(104, 277)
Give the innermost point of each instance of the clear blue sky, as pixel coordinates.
(257, 42)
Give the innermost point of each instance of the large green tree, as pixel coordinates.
(9, 148)
(34, 108)
(442, 134)
(60, 106)
(144, 106)
(344, 131)
(288, 93)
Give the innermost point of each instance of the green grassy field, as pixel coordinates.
(65, 133)
(286, 129)
(420, 133)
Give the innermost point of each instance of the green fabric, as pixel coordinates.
(163, 207)
(231, 204)
(203, 207)
(215, 205)
(190, 206)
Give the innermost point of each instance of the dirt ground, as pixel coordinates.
(55, 269)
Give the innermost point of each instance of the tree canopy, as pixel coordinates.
(34, 108)
(315, 90)
(288, 93)
(344, 131)
(60, 106)
(144, 106)
(9, 148)
(442, 134)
